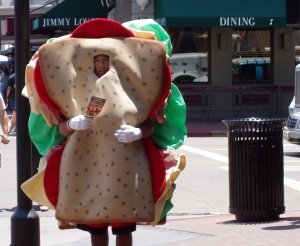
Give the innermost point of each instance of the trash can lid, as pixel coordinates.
(255, 123)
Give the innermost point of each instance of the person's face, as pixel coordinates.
(101, 64)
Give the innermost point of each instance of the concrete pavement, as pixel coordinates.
(206, 129)
(200, 215)
(181, 230)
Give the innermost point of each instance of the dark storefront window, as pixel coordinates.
(251, 63)
(188, 40)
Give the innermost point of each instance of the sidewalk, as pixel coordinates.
(214, 230)
(226, 230)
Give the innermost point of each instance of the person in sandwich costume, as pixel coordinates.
(115, 168)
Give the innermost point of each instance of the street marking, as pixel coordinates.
(286, 168)
(288, 182)
(291, 168)
(293, 145)
(222, 158)
(205, 153)
(292, 184)
(224, 168)
(220, 149)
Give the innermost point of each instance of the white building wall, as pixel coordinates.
(41, 2)
(5, 3)
(137, 13)
(127, 10)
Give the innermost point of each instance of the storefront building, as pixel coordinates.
(225, 30)
(7, 25)
(206, 36)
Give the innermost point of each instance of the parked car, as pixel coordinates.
(291, 130)
(189, 67)
(253, 70)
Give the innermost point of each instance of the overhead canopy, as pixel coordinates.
(71, 13)
(9, 28)
(221, 13)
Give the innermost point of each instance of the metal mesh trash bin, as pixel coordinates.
(255, 149)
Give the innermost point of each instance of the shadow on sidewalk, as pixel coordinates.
(294, 224)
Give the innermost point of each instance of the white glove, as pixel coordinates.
(80, 122)
(128, 134)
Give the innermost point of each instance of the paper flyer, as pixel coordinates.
(95, 106)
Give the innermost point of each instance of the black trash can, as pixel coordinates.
(255, 149)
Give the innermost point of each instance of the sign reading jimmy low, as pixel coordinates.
(57, 22)
(71, 13)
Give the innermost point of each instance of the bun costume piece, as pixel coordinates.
(90, 177)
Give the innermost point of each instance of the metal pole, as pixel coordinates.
(24, 221)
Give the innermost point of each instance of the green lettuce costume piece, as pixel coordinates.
(172, 133)
(44, 137)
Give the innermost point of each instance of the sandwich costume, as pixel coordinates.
(90, 177)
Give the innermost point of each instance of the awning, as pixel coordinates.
(221, 13)
(10, 26)
(71, 13)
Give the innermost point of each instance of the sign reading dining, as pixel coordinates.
(52, 22)
(237, 21)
